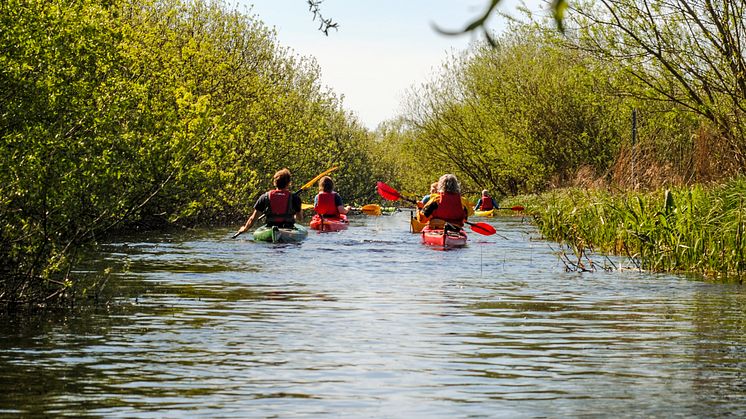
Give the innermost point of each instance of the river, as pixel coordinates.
(368, 322)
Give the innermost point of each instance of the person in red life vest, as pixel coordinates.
(485, 203)
(446, 206)
(281, 207)
(328, 203)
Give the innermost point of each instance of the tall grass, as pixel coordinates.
(688, 229)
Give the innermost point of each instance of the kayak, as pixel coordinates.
(276, 234)
(414, 225)
(329, 223)
(443, 238)
(489, 213)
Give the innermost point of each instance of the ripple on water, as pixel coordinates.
(370, 323)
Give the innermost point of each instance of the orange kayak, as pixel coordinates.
(443, 238)
(329, 223)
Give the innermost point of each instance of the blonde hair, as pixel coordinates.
(434, 187)
(326, 184)
(449, 183)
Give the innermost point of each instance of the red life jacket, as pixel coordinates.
(450, 209)
(325, 204)
(280, 207)
(486, 203)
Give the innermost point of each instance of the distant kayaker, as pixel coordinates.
(327, 202)
(485, 203)
(281, 207)
(446, 205)
(433, 189)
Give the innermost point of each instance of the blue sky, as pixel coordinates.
(382, 47)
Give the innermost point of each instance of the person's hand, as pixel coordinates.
(242, 229)
(420, 205)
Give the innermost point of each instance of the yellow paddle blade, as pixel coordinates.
(305, 207)
(316, 179)
(371, 209)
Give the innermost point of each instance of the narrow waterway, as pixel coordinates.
(370, 323)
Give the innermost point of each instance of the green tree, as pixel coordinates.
(519, 115)
(688, 53)
(144, 113)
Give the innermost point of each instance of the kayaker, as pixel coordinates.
(327, 202)
(485, 202)
(281, 207)
(446, 205)
(433, 189)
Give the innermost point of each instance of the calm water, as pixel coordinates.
(370, 323)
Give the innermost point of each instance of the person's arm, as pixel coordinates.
(467, 208)
(479, 203)
(340, 205)
(250, 222)
(298, 206)
(430, 208)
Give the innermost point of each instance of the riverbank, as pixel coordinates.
(696, 229)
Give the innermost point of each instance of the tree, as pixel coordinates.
(518, 116)
(690, 53)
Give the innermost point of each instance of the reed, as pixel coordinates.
(688, 229)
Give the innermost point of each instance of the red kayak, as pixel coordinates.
(329, 223)
(444, 238)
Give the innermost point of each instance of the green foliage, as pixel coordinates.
(693, 229)
(517, 116)
(689, 55)
(146, 113)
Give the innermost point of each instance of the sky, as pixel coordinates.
(381, 49)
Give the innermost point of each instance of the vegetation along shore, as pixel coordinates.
(152, 114)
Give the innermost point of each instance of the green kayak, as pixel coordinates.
(280, 235)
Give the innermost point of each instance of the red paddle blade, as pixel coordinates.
(483, 229)
(387, 192)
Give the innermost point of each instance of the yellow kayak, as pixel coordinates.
(414, 225)
(490, 213)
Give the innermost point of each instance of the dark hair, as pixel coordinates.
(281, 179)
(326, 184)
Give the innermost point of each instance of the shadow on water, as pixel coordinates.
(368, 322)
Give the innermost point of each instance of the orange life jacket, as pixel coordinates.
(486, 204)
(450, 209)
(325, 204)
(280, 207)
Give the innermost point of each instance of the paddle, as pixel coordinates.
(302, 188)
(391, 194)
(369, 209)
(482, 228)
(314, 180)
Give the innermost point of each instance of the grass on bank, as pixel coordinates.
(690, 229)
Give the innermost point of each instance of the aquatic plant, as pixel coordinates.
(694, 229)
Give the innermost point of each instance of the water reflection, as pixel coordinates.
(370, 323)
